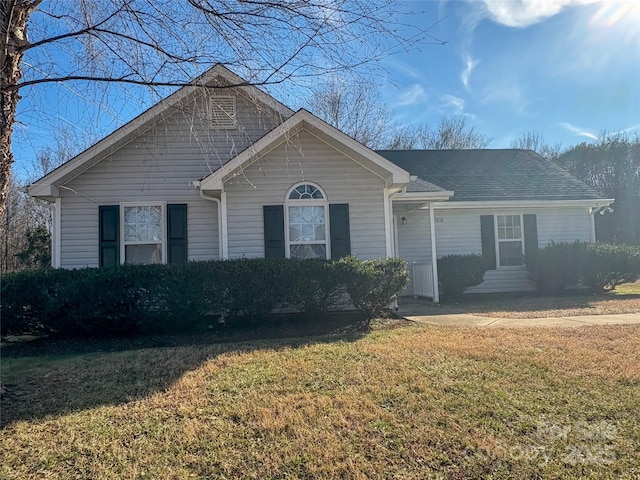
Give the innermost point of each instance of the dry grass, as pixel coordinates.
(411, 402)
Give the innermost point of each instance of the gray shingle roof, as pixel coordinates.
(477, 175)
(421, 185)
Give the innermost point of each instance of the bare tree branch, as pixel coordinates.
(354, 108)
(535, 141)
(451, 134)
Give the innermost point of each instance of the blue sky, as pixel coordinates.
(567, 69)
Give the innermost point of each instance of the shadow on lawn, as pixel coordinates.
(47, 378)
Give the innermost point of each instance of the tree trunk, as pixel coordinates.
(13, 38)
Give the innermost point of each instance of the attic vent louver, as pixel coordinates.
(222, 111)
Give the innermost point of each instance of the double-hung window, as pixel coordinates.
(510, 243)
(307, 228)
(143, 233)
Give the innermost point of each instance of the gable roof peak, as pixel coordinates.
(129, 131)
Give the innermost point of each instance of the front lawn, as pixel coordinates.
(410, 402)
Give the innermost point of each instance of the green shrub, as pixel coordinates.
(608, 265)
(556, 266)
(598, 266)
(99, 302)
(109, 301)
(191, 291)
(316, 287)
(31, 300)
(456, 273)
(254, 287)
(373, 284)
(85, 302)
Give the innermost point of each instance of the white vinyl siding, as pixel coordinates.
(458, 233)
(305, 158)
(159, 166)
(414, 240)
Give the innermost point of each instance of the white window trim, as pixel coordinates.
(163, 226)
(307, 203)
(497, 242)
(227, 124)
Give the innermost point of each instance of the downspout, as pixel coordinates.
(592, 215)
(434, 255)
(592, 212)
(223, 223)
(55, 233)
(388, 222)
(222, 253)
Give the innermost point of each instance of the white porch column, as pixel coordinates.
(434, 256)
(395, 233)
(223, 225)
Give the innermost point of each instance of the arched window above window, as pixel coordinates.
(306, 191)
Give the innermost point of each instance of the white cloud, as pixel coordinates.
(579, 131)
(508, 91)
(469, 64)
(454, 105)
(522, 13)
(405, 69)
(632, 129)
(457, 103)
(413, 95)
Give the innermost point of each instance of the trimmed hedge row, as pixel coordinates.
(598, 266)
(133, 299)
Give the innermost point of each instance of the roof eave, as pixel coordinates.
(478, 204)
(48, 193)
(440, 196)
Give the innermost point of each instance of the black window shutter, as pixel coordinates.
(176, 233)
(339, 230)
(530, 235)
(109, 235)
(488, 236)
(274, 231)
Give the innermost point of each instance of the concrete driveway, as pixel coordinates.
(467, 320)
(415, 312)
